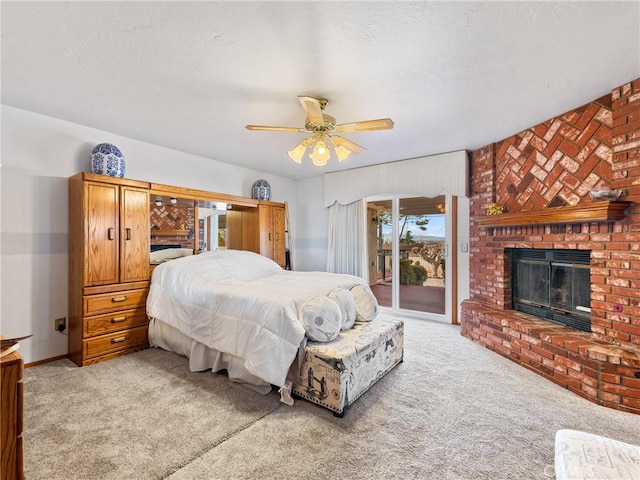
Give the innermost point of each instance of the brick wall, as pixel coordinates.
(553, 164)
(626, 138)
(556, 162)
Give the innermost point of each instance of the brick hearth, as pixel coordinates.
(553, 164)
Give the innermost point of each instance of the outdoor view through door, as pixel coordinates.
(418, 240)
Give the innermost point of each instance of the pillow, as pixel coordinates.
(170, 253)
(346, 302)
(366, 303)
(321, 318)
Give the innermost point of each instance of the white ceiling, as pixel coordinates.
(191, 75)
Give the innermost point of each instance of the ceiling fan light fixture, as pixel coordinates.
(322, 126)
(297, 152)
(342, 152)
(320, 154)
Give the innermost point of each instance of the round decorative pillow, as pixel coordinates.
(261, 190)
(321, 318)
(107, 159)
(366, 303)
(346, 302)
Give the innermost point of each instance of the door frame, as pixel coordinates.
(451, 260)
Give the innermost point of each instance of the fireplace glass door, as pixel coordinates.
(554, 285)
(532, 282)
(570, 288)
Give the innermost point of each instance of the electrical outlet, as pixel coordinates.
(60, 324)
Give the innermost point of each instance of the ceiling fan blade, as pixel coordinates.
(341, 141)
(366, 125)
(275, 129)
(312, 108)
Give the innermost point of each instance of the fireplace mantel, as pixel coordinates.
(583, 213)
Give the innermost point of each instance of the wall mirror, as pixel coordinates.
(186, 222)
(173, 227)
(212, 225)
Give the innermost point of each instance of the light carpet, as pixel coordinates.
(451, 410)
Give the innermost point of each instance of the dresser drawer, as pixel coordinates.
(113, 302)
(114, 342)
(114, 322)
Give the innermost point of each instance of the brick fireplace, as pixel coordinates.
(542, 177)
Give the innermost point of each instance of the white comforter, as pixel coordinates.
(240, 303)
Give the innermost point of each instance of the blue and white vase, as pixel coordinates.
(107, 159)
(261, 190)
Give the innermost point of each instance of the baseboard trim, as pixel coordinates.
(46, 360)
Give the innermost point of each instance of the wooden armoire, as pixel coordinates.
(264, 231)
(108, 266)
(272, 231)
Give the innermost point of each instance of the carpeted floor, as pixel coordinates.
(451, 410)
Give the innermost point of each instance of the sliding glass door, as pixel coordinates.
(407, 253)
(380, 250)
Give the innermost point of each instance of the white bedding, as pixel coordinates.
(166, 254)
(244, 304)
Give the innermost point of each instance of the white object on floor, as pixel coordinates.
(585, 456)
(285, 394)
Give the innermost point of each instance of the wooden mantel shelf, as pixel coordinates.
(169, 233)
(583, 213)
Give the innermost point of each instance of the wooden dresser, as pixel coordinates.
(108, 267)
(11, 367)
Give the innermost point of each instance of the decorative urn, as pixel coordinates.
(261, 190)
(107, 159)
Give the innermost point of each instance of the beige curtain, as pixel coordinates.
(346, 238)
(425, 176)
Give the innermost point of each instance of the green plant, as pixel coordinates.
(410, 273)
(432, 253)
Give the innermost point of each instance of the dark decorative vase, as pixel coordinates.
(261, 190)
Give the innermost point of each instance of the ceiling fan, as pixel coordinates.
(322, 127)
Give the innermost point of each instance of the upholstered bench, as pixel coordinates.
(585, 456)
(336, 373)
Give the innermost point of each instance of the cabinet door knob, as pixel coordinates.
(118, 299)
(127, 234)
(269, 236)
(110, 233)
(118, 340)
(118, 319)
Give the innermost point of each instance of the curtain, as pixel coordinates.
(346, 238)
(424, 177)
(345, 192)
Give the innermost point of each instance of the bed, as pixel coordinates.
(239, 311)
(163, 253)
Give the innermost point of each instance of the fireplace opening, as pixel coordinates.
(553, 284)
